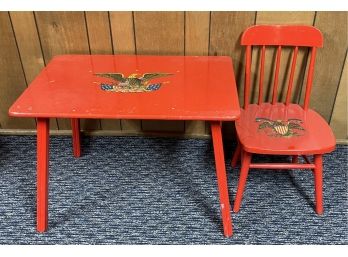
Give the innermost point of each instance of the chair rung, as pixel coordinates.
(281, 166)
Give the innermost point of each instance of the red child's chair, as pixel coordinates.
(277, 128)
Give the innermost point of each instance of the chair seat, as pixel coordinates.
(283, 130)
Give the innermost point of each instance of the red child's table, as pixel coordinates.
(130, 87)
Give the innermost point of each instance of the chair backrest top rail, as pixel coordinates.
(285, 35)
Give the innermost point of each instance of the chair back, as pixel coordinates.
(294, 36)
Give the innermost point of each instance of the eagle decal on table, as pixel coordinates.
(132, 83)
(280, 128)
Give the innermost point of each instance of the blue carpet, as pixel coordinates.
(134, 190)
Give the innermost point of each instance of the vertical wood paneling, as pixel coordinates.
(100, 42)
(98, 28)
(225, 33)
(160, 33)
(28, 43)
(122, 31)
(29, 47)
(339, 116)
(303, 18)
(12, 80)
(64, 33)
(226, 29)
(330, 60)
(197, 33)
(196, 43)
(29, 40)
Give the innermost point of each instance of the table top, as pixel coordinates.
(132, 87)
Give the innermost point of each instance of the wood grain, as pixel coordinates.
(303, 18)
(28, 43)
(29, 47)
(122, 31)
(226, 29)
(339, 116)
(197, 26)
(160, 33)
(12, 80)
(98, 28)
(330, 60)
(100, 42)
(225, 33)
(64, 33)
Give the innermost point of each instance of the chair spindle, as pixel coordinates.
(262, 69)
(291, 78)
(247, 76)
(275, 86)
(309, 78)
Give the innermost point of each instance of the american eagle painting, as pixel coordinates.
(132, 83)
(280, 128)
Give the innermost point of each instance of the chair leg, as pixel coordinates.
(75, 126)
(318, 183)
(236, 156)
(42, 174)
(246, 158)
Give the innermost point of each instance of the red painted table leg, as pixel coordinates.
(221, 177)
(42, 173)
(75, 125)
(236, 156)
(246, 158)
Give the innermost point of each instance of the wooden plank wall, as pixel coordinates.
(339, 115)
(30, 39)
